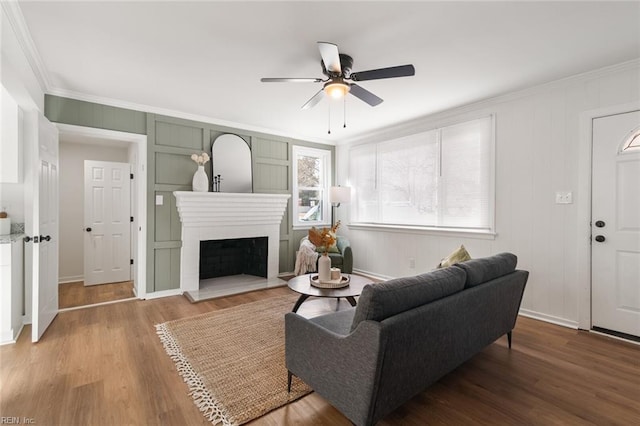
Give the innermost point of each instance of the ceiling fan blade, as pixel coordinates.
(291, 80)
(314, 100)
(330, 57)
(365, 95)
(391, 72)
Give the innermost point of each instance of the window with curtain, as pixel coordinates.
(442, 178)
(311, 175)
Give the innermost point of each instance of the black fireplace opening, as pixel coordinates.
(221, 258)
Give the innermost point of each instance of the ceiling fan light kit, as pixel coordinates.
(337, 67)
(336, 89)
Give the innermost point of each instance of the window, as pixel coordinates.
(443, 178)
(311, 174)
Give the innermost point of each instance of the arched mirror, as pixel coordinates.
(231, 164)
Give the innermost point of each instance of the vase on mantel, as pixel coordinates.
(200, 181)
(324, 268)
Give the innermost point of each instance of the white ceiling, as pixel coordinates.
(205, 59)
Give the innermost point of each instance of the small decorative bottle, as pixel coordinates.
(324, 268)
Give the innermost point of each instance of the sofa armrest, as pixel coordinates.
(347, 255)
(341, 368)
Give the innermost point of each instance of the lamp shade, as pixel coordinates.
(339, 194)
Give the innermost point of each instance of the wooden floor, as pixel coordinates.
(105, 366)
(71, 295)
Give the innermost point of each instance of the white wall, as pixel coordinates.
(72, 156)
(537, 143)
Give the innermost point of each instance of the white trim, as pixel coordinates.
(548, 318)
(425, 230)
(21, 31)
(583, 201)
(372, 275)
(325, 179)
(140, 187)
(163, 293)
(611, 336)
(70, 279)
(8, 338)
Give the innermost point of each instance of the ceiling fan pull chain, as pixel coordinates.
(344, 112)
(329, 121)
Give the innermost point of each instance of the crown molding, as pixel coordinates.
(16, 20)
(180, 114)
(455, 113)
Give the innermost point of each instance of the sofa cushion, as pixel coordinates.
(380, 301)
(487, 268)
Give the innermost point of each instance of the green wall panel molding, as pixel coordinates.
(167, 269)
(270, 177)
(88, 114)
(273, 149)
(168, 226)
(174, 169)
(176, 135)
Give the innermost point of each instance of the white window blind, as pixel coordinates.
(441, 178)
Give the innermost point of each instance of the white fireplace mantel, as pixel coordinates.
(220, 215)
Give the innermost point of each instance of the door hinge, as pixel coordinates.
(131, 176)
(131, 218)
(130, 261)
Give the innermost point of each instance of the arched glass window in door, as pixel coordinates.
(632, 141)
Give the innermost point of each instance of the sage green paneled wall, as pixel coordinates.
(170, 143)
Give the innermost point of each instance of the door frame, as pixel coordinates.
(583, 202)
(139, 189)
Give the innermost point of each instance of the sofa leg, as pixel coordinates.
(509, 339)
(289, 377)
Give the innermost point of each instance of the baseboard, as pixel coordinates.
(372, 275)
(549, 318)
(71, 279)
(9, 337)
(163, 293)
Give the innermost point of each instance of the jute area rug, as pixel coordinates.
(233, 360)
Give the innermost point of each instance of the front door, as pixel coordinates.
(615, 250)
(44, 250)
(107, 214)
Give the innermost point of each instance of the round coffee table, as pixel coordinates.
(301, 284)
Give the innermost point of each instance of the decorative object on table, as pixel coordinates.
(335, 273)
(234, 389)
(324, 238)
(338, 195)
(340, 282)
(200, 182)
(458, 255)
(5, 222)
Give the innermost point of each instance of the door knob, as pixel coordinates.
(600, 224)
(600, 238)
(88, 229)
(47, 238)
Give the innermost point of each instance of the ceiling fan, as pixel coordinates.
(336, 67)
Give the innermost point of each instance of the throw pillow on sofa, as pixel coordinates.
(459, 255)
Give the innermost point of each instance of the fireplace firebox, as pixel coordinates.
(237, 256)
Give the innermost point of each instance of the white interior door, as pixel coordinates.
(107, 213)
(45, 220)
(615, 251)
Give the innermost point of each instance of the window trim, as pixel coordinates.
(484, 233)
(325, 178)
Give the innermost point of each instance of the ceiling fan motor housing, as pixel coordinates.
(346, 63)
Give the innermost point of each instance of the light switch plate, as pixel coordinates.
(564, 197)
(159, 200)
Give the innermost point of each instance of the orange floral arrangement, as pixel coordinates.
(324, 238)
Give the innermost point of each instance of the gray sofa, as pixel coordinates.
(404, 335)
